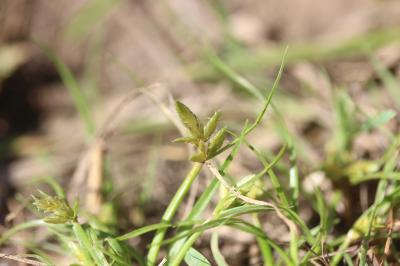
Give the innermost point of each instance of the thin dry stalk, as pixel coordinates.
(95, 177)
(23, 260)
(389, 240)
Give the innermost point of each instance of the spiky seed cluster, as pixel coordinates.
(207, 145)
(58, 209)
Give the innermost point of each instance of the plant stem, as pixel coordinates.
(84, 243)
(176, 261)
(265, 248)
(170, 212)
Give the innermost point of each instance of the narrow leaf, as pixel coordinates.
(189, 119)
(378, 120)
(218, 257)
(209, 129)
(216, 142)
(195, 258)
(190, 140)
(142, 230)
(86, 246)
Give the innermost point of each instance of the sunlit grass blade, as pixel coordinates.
(143, 230)
(249, 228)
(238, 80)
(93, 255)
(85, 245)
(263, 244)
(218, 257)
(195, 258)
(380, 192)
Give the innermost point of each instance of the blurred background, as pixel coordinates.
(114, 47)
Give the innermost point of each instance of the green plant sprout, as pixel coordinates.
(207, 147)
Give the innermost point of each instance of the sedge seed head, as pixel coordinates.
(57, 209)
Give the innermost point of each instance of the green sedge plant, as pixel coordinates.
(207, 146)
(89, 241)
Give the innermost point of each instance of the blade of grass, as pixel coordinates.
(85, 245)
(264, 246)
(74, 89)
(218, 257)
(171, 210)
(294, 179)
(97, 250)
(380, 193)
(273, 177)
(195, 258)
(362, 44)
(322, 210)
(89, 16)
(249, 228)
(143, 230)
(233, 76)
(92, 254)
(389, 80)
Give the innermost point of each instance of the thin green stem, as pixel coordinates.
(170, 212)
(264, 246)
(185, 246)
(84, 244)
(176, 261)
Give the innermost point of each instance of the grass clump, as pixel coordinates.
(274, 192)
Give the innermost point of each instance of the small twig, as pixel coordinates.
(324, 258)
(106, 130)
(19, 259)
(95, 177)
(164, 260)
(389, 240)
(91, 162)
(79, 175)
(167, 112)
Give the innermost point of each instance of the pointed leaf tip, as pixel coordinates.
(189, 119)
(188, 140)
(209, 129)
(216, 143)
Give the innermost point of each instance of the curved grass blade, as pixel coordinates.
(143, 230)
(87, 247)
(74, 89)
(218, 257)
